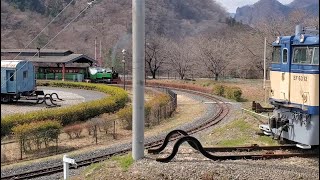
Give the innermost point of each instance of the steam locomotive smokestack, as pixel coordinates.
(298, 30)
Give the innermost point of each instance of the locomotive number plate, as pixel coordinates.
(300, 78)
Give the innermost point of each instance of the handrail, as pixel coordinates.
(243, 109)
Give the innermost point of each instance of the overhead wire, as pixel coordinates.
(2, 84)
(42, 30)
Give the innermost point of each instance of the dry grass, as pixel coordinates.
(242, 131)
(252, 89)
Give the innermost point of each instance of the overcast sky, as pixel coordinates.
(231, 5)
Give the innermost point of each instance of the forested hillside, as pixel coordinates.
(187, 38)
(106, 19)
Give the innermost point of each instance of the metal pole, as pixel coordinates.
(145, 59)
(264, 69)
(114, 129)
(100, 56)
(21, 150)
(96, 133)
(57, 144)
(138, 29)
(95, 48)
(124, 75)
(264, 63)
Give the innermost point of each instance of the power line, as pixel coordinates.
(48, 43)
(43, 29)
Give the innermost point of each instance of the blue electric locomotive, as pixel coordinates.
(294, 77)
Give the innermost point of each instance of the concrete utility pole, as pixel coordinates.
(138, 70)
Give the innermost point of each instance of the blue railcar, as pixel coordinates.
(17, 79)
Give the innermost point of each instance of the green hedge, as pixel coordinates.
(28, 129)
(233, 93)
(218, 90)
(67, 115)
(37, 133)
(156, 102)
(228, 92)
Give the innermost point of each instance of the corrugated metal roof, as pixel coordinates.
(10, 63)
(61, 59)
(60, 51)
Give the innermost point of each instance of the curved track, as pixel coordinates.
(222, 111)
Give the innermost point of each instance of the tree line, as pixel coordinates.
(236, 51)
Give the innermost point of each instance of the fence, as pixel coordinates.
(32, 147)
(159, 113)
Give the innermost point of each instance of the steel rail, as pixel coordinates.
(253, 147)
(197, 146)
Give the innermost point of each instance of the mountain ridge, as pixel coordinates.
(268, 10)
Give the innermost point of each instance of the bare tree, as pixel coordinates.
(155, 54)
(216, 53)
(252, 52)
(181, 56)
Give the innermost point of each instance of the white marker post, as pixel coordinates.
(66, 162)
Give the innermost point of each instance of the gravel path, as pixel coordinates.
(69, 96)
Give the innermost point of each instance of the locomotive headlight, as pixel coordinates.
(278, 40)
(301, 38)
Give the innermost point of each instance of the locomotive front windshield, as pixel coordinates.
(306, 55)
(276, 54)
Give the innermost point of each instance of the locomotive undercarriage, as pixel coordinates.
(293, 125)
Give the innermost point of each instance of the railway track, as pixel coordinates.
(222, 111)
(272, 153)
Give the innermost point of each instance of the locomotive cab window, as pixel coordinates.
(25, 74)
(304, 55)
(284, 56)
(276, 54)
(315, 59)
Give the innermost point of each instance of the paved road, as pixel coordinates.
(70, 97)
